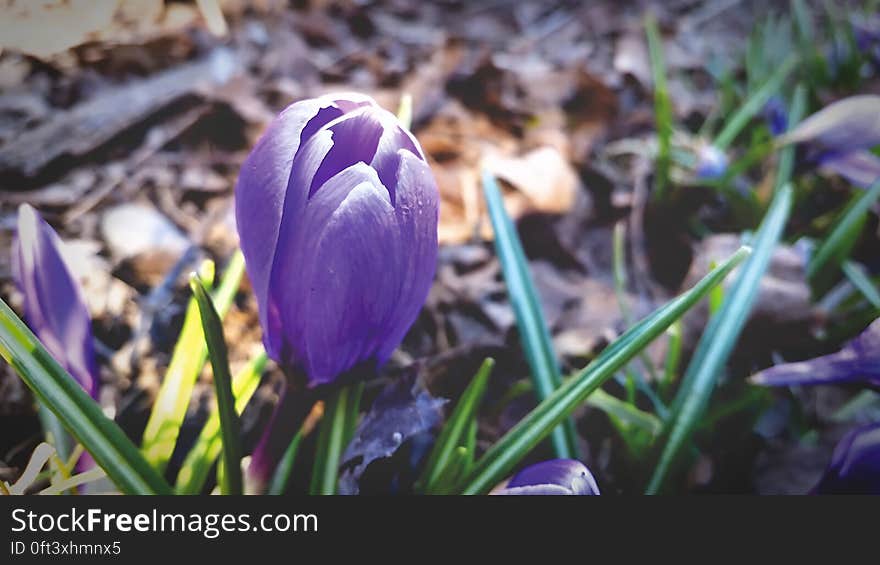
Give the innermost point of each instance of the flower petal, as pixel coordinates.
(557, 476)
(855, 464)
(861, 168)
(53, 303)
(263, 181)
(859, 360)
(844, 126)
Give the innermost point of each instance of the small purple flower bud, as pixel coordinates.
(53, 304)
(859, 360)
(776, 115)
(855, 464)
(337, 214)
(711, 162)
(554, 477)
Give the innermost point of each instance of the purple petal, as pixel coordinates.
(53, 303)
(346, 236)
(847, 125)
(557, 476)
(263, 181)
(861, 168)
(855, 464)
(859, 360)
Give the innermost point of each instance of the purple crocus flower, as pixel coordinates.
(337, 212)
(855, 464)
(554, 477)
(53, 304)
(840, 137)
(858, 361)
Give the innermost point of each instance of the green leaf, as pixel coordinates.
(719, 338)
(337, 425)
(187, 362)
(79, 413)
(624, 412)
(454, 430)
(230, 428)
(662, 106)
(754, 104)
(534, 335)
(281, 476)
(508, 451)
(197, 465)
(856, 275)
(837, 246)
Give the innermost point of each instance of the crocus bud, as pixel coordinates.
(711, 162)
(53, 304)
(337, 214)
(858, 361)
(855, 464)
(554, 477)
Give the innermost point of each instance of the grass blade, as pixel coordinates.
(856, 275)
(199, 460)
(79, 413)
(836, 247)
(662, 106)
(337, 425)
(230, 428)
(754, 104)
(534, 335)
(187, 362)
(502, 457)
(454, 429)
(284, 470)
(719, 338)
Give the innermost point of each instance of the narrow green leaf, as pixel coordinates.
(187, 362)
(199, 460)
(453, 431)
(719, 338)
(508, 451)
(856, 275)
(533, 331)
(230, 428)
(662, 106)
(281, 476)
(624, 412)
(79, 413)
(340, 410)
(673, 357)
(754, 104)
(837, 246)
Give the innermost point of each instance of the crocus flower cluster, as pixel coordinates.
(855, 464)
(337, 213)
(858, 361)
(554, 477)
(53, 304)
